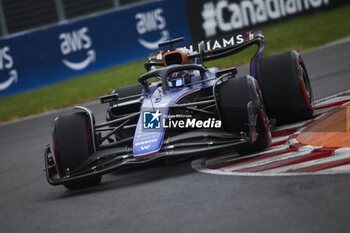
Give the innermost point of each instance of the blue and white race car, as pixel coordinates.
(182, 109)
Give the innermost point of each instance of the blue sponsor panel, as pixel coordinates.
(58, 53)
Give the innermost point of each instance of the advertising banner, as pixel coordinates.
(35, 59)
(213, 18)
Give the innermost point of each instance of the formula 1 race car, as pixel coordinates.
(182, 109)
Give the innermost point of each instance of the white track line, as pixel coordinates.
(291, 126)
(342, 153)
(309, 163)
(279, 139)
(274, 149)
(332, 101)
(323, 111)
(198, 165)
(331, 96)
(300, 152)
(343, 168)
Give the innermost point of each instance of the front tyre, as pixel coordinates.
(264, 137)
(235, 94)
(285, 87)
(72, 145)
(127, 91)
(83, 182)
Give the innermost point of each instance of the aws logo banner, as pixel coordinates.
(57, 53)
(8, 74)
(152, 28)
(76, 48)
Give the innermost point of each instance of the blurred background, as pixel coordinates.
(21, 15)
(56, 53)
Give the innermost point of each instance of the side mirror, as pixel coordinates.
(201, 47)
(201, 50)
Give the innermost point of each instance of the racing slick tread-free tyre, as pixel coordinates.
(235, 94)
(262, 142)
(72, 145)
(122, 92)
(127, 91)
(285, 87)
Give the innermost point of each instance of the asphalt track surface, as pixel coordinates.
(172, 198)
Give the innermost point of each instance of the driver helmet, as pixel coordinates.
(178, 79)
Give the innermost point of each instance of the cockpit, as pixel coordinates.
(178, 79)
(177, 57)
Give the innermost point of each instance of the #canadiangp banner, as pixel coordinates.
(213, 18)
(34, 59)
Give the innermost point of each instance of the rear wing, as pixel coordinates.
(213, 48)
(226, 43)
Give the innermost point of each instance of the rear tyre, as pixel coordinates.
(285, 87)
(72, 145)
(235, 94)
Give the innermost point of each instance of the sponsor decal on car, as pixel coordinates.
(74, 42)
(214, 43)
(6, 67)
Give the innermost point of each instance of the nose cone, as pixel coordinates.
(149, 132)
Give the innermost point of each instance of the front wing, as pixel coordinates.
(190, 144)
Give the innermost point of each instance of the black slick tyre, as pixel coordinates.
(263, 140)
(126, 91)
(234, 96)
(285, 87)
(72, 144)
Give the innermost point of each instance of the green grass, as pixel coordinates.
(299, 34)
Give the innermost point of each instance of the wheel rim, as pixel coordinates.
(306, 83)
(263, 112)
